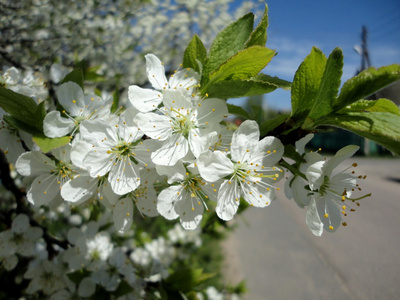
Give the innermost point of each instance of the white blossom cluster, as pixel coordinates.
(169, 153)
(92, 259)
(170, 133)
(111, 36)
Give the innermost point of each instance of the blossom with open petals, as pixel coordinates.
(182, 124)
(50, 173)
(249, 171)
(329, 191)
(77, 107)
(147, 99)
(186, 196)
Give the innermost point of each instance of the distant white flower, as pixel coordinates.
(48, 277)
(20, 239)
(182, 124)
(77, 107)
(249, 171)
(146, 100)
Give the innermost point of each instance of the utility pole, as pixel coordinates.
(363, 50)
(365, 62)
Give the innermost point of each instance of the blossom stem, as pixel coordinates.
(292, 169)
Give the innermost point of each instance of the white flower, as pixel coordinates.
(20, 239)
(47, 277)
(116, 150)
(50, 174)
(294, 185)
(186, 197)
(248, 172)
(182, 124)
(10, 140)
(78, 107)
(328, 191)
(146, 100)
(83, 186)
(144, 197)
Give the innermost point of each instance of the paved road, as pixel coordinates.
(281, 259)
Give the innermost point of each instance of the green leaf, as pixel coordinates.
(259, 34)
(115, 102)
(228, 42)
(242, 66)
(13, 122)
(271, 124)
(238, 111)
(380, 105)
(329, 86)
(290, 152)
(258, 85)
(306, 83)
(123, 289)
(365, 84)
(47, 144)
(184, 279)
(381, 127)
(194, 52)
(75, 76)
(21, 107)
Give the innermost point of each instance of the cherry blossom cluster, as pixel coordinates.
(93, 259)
(170, 136)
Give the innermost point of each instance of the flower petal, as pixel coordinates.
(190, 211)
(174, 148)
(144, 100)
(70, 96)
(167, 199)
(43, 190)
(339, 157)
(244, 138)
(228, 200)
(124, 177)
(155, 72)
(214, 165)
(154, 125)
(313, 220)
(123, 215)
(56, 126)
(34, 163)
(79, 189)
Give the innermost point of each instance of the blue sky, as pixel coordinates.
(295, 26)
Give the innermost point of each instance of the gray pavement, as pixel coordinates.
(280, 258)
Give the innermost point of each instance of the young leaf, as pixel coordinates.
(228, 42)
(243, 65)
(13, 122)
(258, 85)
(259, 34)
(365, 84)
(306, 83)
(380, 105)
(75, 76)
(381, 127)
(195, 51)
(238, 111)
(47, 144)
(271, 124)
(19, 106)
(329, 86)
